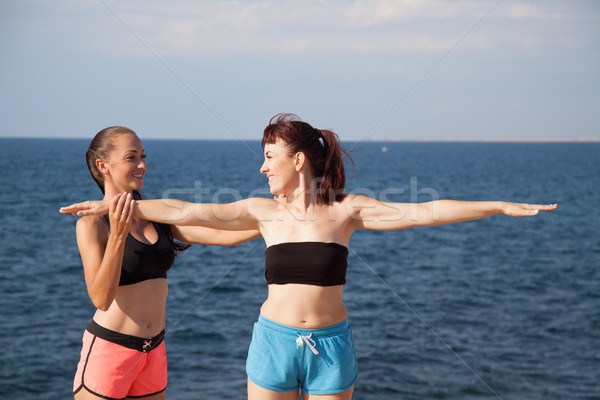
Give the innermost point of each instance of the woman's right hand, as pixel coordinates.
(120, 214)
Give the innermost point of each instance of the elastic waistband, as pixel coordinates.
(332, 330)
(131, 342)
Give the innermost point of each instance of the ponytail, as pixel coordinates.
(322, 150)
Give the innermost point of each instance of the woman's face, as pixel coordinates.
(126, 165)
(279, 167)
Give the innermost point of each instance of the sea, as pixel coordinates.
(500, 308)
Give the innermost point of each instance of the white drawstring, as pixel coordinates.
(309, 342)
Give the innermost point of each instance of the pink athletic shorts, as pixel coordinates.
(114, 365)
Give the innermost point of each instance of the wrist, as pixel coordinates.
(500, 207)
(117, 238)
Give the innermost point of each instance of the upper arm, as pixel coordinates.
(92, 235)
(369, 213)
(210, 236)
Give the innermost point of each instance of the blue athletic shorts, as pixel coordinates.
(318, 361)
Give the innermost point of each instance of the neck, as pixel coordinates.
(110, 191)
(304, 195)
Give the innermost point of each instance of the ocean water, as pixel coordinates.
(499, 308)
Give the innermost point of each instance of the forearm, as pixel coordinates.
(166, 211)
(441, 212)
(232, 238)
(229, 216)
(103, 289)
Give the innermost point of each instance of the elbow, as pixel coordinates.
(428, 214)
(102, 303)
(230, 240)
(243, 240)
(102, 306)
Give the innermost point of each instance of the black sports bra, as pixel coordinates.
(142, 261)
(311, 263)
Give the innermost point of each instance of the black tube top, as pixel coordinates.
(310, 263)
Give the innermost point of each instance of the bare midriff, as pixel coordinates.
(305, 306)
(137, 310)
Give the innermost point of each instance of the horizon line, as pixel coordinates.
(372, 140)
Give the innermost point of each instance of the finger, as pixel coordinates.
(75, 209)
(121, 203)
(112, 206)
(130, 212)
(83, 213)
(125, 204)
(541, 207)
(71, 209)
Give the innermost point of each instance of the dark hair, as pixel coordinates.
(321, 148)
(99, 148)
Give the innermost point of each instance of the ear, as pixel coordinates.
(299, 161)
(102, 166)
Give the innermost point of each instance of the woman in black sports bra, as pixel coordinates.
(125, 261)
(301, 341)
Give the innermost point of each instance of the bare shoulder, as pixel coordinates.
(356, 201)
(353, 206)
(260, 208)
(354, 198)
(92, 225)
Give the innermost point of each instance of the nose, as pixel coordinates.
(263, 168)
(142, 164)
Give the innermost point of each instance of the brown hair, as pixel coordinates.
(321, 148)
(99, 148)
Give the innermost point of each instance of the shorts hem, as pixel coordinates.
(330, 391)
(273, 388)
(83, 387)
(147, 395)
(115, 398)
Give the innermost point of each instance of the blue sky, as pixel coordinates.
(422, 69)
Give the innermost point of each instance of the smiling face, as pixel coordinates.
(280, 168)
(125, 166)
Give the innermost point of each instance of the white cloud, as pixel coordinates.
(192, 28)
(373, 13)
(294, 25)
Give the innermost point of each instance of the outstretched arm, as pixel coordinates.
(231, 216)
(368, 213)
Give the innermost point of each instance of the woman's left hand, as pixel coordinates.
(525, 210)
(90, 207)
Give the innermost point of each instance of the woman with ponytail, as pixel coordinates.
(302, 341)
(125, 261)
